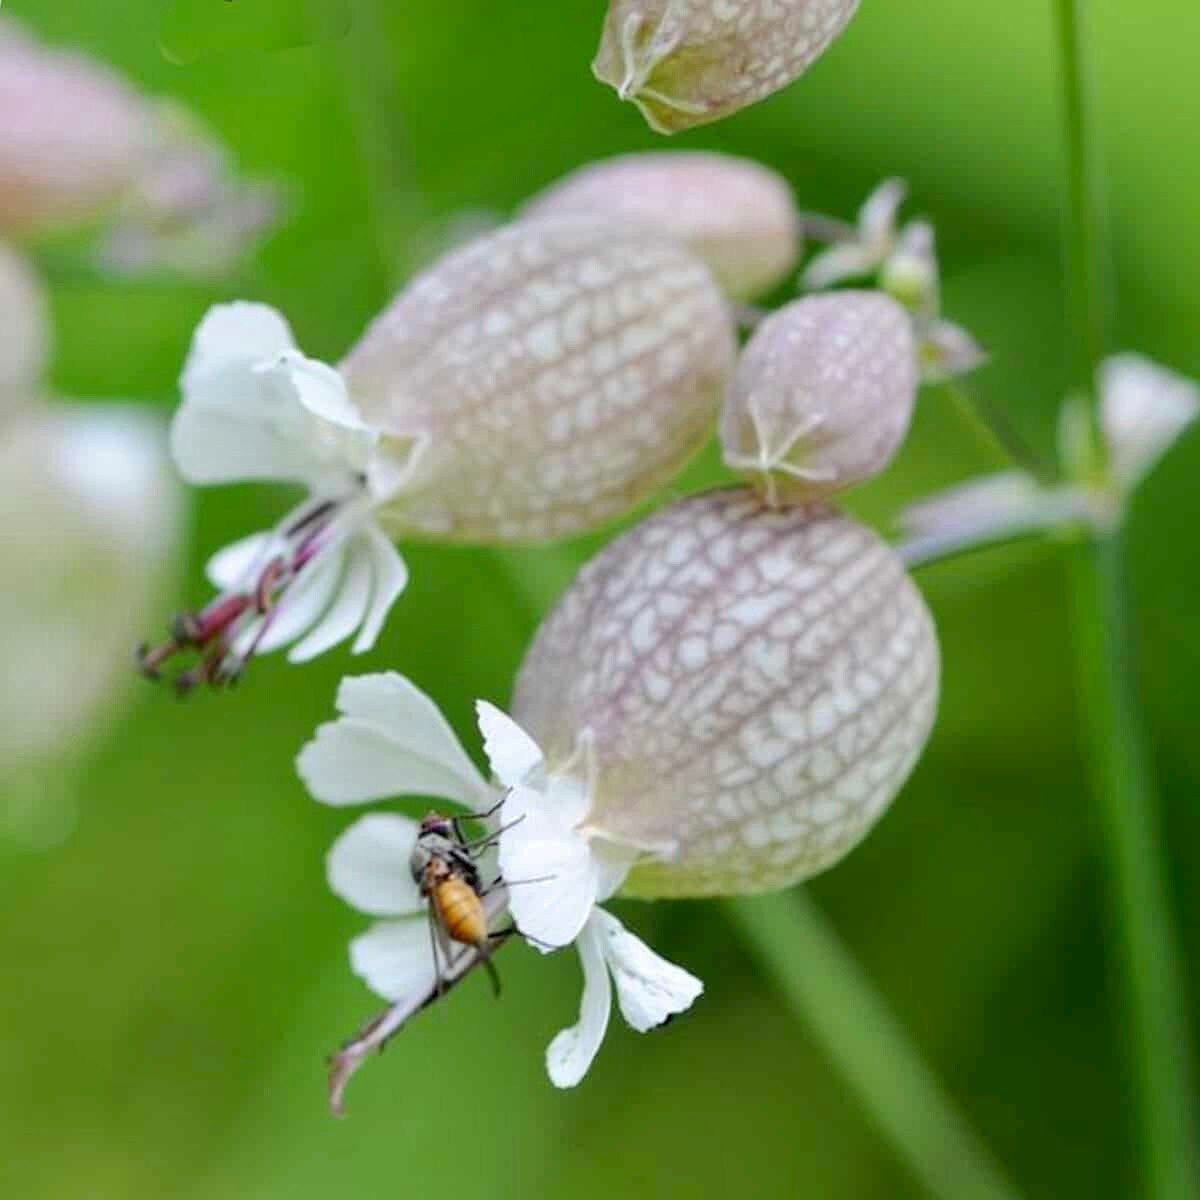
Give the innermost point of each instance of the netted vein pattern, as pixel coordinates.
(561, 370)
(757, 684)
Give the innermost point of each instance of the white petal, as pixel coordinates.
(390, 740)
(235, 566)
(613, 862)
(649, 989)
(537, 845)
(389, 577)
(843, 261)
(344, 615)
(305, 600)
(395, 958)
(948, 351)
(877, 217)
(1143, 409)
(231, 334)
(338, 435)
(368, 866)
(570, 1054)
(231, 424)
(512, 753)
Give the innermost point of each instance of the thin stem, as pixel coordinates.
(1087, 260)
(827, 990)
(1123, 781)
(394, 203)
(1113, 737)
(993, 426)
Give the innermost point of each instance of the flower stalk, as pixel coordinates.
(826, 990)
(1114, 740)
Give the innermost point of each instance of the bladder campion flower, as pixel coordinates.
(738, 216)
(724, 701)
(390, 739)
(530, 385)
(688, 62)
(822, 395)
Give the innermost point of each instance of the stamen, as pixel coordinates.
(242, 617)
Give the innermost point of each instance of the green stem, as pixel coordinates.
(1122, 778)
(395, 206)
(994, 428)
(827, 990)
(1113, 738)
(1087, 263)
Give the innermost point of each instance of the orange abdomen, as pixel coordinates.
(460, 911)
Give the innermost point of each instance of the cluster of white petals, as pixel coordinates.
(391, 740)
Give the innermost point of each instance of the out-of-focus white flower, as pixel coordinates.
(735, 215)
(530, 385)
(1144, 408)
(24, 331)
(991, 508)
(866, 246)
(822, 396)
(89, 517)
(390, 739)
(79, 145)
(688, 62)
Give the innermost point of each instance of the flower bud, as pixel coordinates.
(736, 215)
(89, 515)
(688, 62)
(747, 689)
(822, 396)
(24, 330)
(79, 145)
(548, 376)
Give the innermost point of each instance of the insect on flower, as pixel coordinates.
(445, 868)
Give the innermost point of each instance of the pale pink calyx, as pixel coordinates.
(560, 370)
(735, 215)
(822, 396)
(688, 62)
(755, 686)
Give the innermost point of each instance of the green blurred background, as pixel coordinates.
(176, 971)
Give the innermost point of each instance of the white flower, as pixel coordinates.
(254, 407)
(390, 739)
(1144, 408)
(89, 522)
(866, 247)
